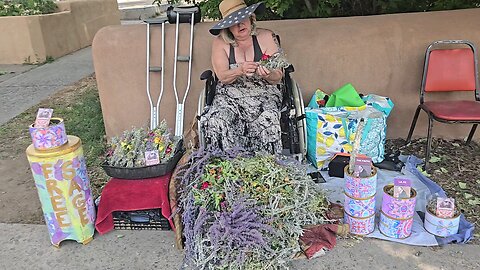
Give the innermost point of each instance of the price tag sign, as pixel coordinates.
(445, 207)
(362, 167)
(151, 158)
(43, 117)
(402, 188)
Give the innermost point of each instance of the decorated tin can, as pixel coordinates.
(398, 208)
(395, 228)
(64, 190)
(441, 226)
(51, 137)
(359, 187)
(360, 226)
(357, 207)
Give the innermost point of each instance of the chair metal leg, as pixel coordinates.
(470, 136)
(414, 123)
(429, 142)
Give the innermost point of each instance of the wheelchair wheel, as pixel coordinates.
(301, 120)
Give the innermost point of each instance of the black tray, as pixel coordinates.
(147, 171)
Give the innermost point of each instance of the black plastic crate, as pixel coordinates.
(150, 219)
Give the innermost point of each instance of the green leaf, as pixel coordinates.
(443, 170)
(462, 185)
(420, 169)
(474, 202)
(434, 159)
(468, 195)
(456, 144)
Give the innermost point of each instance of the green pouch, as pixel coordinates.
(345, 96)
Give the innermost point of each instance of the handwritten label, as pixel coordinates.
(402, 188)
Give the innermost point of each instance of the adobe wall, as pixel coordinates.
(377, 54)
(31, 39)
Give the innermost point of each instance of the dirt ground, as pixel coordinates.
(454, 166)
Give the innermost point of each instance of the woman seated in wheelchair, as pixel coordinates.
(246, 108)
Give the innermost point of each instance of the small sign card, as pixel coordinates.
(402, 188)
(43, 117)
(362, 167)
(445, 207)
(151, 158)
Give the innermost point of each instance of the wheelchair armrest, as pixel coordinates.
(289, 69)
(206, 75)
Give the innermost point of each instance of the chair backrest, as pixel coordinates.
(452, 69)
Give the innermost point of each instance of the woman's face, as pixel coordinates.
(241, 30)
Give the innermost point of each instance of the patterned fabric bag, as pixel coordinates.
(331, 130)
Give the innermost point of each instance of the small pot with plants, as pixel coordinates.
(442, 217)
(398, 209)
(360, 189)
(143, 153)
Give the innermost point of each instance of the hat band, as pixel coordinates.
(232, 9)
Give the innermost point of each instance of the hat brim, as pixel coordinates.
(236, 17)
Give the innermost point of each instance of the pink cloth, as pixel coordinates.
(131, 195)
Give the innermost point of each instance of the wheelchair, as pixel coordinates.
(292, 119)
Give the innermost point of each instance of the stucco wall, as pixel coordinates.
(34, 38)
(377, 54)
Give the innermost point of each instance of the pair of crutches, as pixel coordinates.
(177, 15)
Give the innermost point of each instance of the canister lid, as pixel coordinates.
(73, 144)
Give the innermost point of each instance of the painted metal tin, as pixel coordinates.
(357, 187)
(357, 207)
(399, 208)
(51, 137)
(360, 226)
(441, 226)
(64, 190)
(395, 228)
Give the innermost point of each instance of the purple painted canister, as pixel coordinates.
(358, 207)
(49, 138)
(360, 226)
(398, 208)
(395, 228)
(359, 187)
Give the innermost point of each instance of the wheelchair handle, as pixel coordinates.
(206, 75)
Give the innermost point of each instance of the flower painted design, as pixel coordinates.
(397, 208)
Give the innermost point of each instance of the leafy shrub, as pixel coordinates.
(295, 9)
(26, 7)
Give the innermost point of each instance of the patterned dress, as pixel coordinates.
(246, 114)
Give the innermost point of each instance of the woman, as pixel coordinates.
(246, 108)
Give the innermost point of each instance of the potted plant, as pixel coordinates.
(360, 192)
(128, 155)
(396, 215)
(438, 224)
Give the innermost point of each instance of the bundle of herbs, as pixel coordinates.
(246, 212)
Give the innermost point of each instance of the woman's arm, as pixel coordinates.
(221, 65)
(270, 46)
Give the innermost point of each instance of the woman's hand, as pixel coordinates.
(248, 68)
(272, 77)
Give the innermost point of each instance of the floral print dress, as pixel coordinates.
(246, 114)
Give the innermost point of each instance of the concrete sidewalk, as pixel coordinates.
(28, 247)
(23, 90)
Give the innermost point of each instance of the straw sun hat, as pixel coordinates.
(233, 12)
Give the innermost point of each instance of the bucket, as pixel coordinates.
(49, 138)
(64, 190)
(441, 226)
(358, 207)
(360, 187)
(360, 226)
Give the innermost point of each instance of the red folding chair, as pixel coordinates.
(447, 70)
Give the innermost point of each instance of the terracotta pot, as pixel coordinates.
(398, 208)
(359, 207)
(358, 187)
(51, 137)
(360, 226)
(441, 226)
